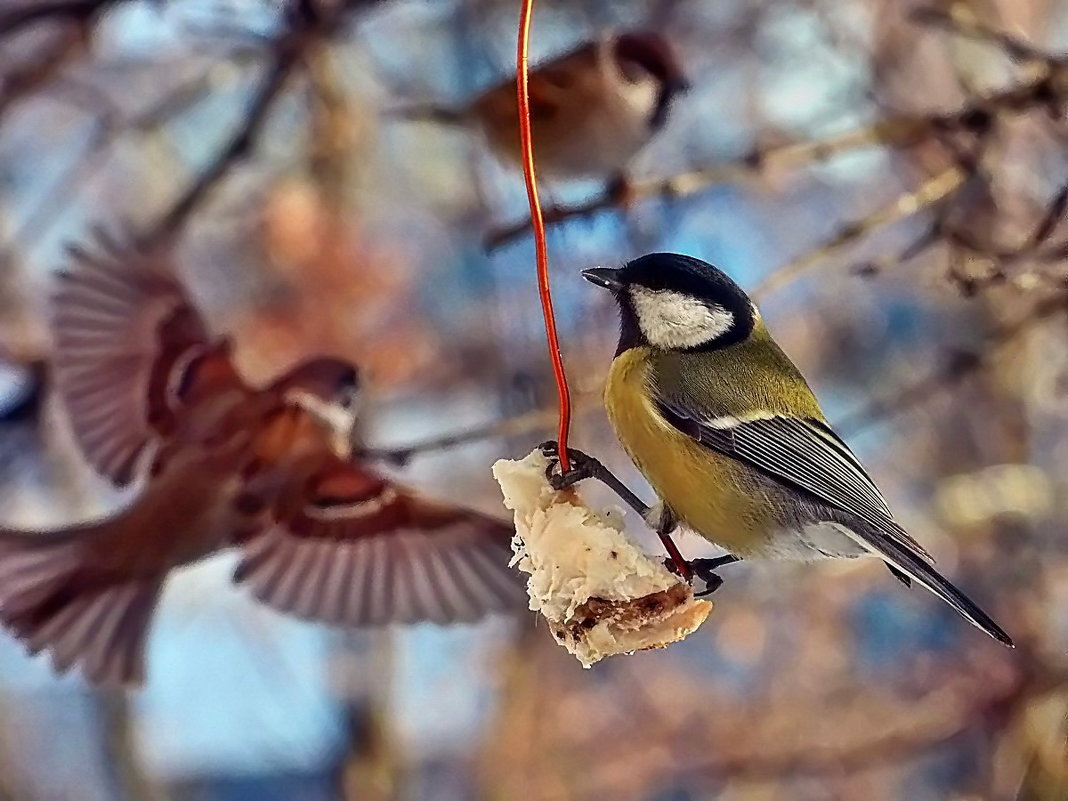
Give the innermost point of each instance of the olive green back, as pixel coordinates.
(754, 376)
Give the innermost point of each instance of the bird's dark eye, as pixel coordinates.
(349, 380)
(643, 56)
(633, 71)
(348, 388)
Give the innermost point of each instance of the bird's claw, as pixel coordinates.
(713, 581)
(550, 449)
(581, 466)
(703, 569)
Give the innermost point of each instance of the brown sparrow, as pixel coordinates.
(592, 109)
(268, 471)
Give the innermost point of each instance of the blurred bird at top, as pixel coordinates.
(153, 398)
(592, 109)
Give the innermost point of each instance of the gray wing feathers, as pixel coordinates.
(808, 456)
(803, 454)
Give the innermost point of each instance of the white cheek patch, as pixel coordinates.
(673, 321)
(338, 420)
(640, 95)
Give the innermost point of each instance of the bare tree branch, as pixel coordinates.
(528, 422)
(237, 148)
(931, 191)
(106, 130)
(307, 23)
(960, 18)
(27, 78)
(31, 13)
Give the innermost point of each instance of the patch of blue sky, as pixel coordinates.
(234, 687)
(12, 385)
(813, 89)
(703, 654)
(149, 28)
(444, 683)
(58, 746)
(719, 228)
(140, 29)
(20, 673)
(800, 74)
(887, 623)
(31, 180)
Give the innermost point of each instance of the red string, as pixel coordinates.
(538, 224)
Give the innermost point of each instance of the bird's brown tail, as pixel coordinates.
(53, 599)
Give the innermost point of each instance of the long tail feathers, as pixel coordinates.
(911, 565)
(52, 601)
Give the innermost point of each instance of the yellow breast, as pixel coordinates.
(712, 494)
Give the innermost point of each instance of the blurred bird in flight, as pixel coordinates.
(592, 109)
(154, 399)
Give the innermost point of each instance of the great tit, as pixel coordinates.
(730, 436)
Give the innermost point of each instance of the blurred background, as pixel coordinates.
(888, 178)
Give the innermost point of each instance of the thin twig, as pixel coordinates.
(919, 245)
(23, 80)
(1055, 212)
(964, 243)
(105, 134)
(307, 24)
(239, 147)
(933, 190)
(34, 11)
(535, 420)
(962, 20)
(896, 131)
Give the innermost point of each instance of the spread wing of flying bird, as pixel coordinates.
(124, 329)
(349, 547)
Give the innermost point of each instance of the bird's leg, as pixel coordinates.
(665, 523)
(703, 569)
(583, 467)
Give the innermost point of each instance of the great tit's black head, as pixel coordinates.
(676, 302)
(641, 53)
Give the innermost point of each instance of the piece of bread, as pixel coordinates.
(600, 593)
